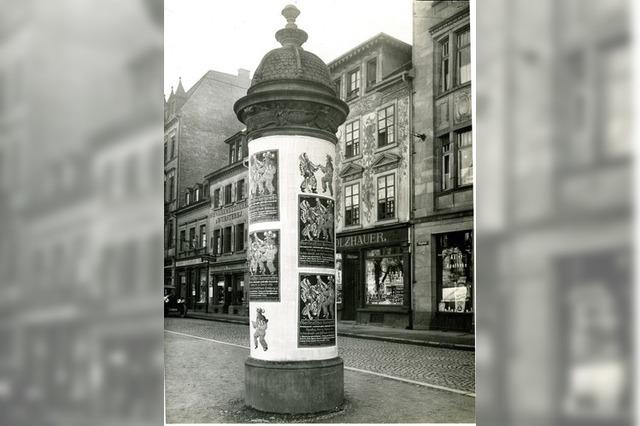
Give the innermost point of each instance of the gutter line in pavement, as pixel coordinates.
(414, 382)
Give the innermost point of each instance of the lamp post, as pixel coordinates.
(292, 113)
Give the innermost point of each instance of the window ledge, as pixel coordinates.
(351, 227)
(354, 158)
(386, 147)
(352, 97)
(387, 221)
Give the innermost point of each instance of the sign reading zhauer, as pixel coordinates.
(371, 238)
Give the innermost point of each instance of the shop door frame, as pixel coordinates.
(350, 293)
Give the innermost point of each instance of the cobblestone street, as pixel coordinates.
(411, 371)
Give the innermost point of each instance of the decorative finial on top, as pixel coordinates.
(290, 12)
(291, 35)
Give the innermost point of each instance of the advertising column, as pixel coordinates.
(292, 113)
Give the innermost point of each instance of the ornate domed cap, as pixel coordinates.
(291, 91)
(291, 61)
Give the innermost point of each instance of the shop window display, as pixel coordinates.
(203, 286)
(384, 276)
(455, 267)
(220, 295)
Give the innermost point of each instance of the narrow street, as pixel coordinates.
(384, 382)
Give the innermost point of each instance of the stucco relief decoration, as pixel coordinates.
(338, 188)
(368, 140)
(462, 106)
(442, 113)
(403, 138)
(291, 114)
(308, 170)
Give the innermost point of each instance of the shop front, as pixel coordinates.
(373, 276)
(193, 282)
(228, 289)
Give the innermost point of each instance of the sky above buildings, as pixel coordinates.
(225, 35)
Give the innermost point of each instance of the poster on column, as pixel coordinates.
(316, 304)
(263, 187)
(315, 231)
(316, 171)
(264, 265)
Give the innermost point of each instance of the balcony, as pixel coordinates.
(192, 252)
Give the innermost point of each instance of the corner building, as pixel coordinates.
(373, 179)
(444, 295)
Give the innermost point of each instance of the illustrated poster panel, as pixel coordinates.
(317, 317)
(316, 174)
(315, 231)
(264, 265)
(263, 187)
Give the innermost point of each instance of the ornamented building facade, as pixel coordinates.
(373, 179)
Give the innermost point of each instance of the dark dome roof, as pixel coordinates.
(292, 63)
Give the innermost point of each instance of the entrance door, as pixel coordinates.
(228, 293)
(350, 280)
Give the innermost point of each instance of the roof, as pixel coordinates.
(369, 44)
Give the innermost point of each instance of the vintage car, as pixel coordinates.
(172, 303)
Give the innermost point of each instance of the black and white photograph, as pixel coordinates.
(340, 211)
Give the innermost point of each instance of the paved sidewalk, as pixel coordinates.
(444, 339)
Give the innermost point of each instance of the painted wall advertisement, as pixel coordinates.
(315, 231)
(263, 187)
(316, 316)
(264, 265)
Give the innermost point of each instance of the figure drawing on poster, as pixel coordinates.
(260, 326)
(308, 171)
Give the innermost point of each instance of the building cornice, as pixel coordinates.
(450, 21)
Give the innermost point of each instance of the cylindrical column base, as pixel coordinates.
(294, 387)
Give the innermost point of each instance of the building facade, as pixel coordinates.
(228, 235)
(443, 168)
(373, 179)
(197, 122)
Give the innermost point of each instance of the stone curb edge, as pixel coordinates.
(431, 343)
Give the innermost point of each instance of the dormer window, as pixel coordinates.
(197, 195)
(187, 197)
(353, 83)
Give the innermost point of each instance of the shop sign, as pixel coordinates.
(230, 213)
(381, 237)
(189, 262)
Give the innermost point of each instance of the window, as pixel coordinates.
(465, 158)
(217, 243)
(197, 195)
(183, 240)
(193, 241)
(227, 194)
(352, 139)
(240, 190)
(385, 126)
(226, 240)
(353, 83)
(456, 160)
(447, 166)
(216, 198)
(240, 237)
(463, 58)
(173, 146)
(455, 272)
(203, 236)
(172, 193)
(386, 197)
(187, 197)
(232, 153)
(338, 87)
(352, 204)
(372, 67)
(170, 234)
(444, 65)
(384, 272)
